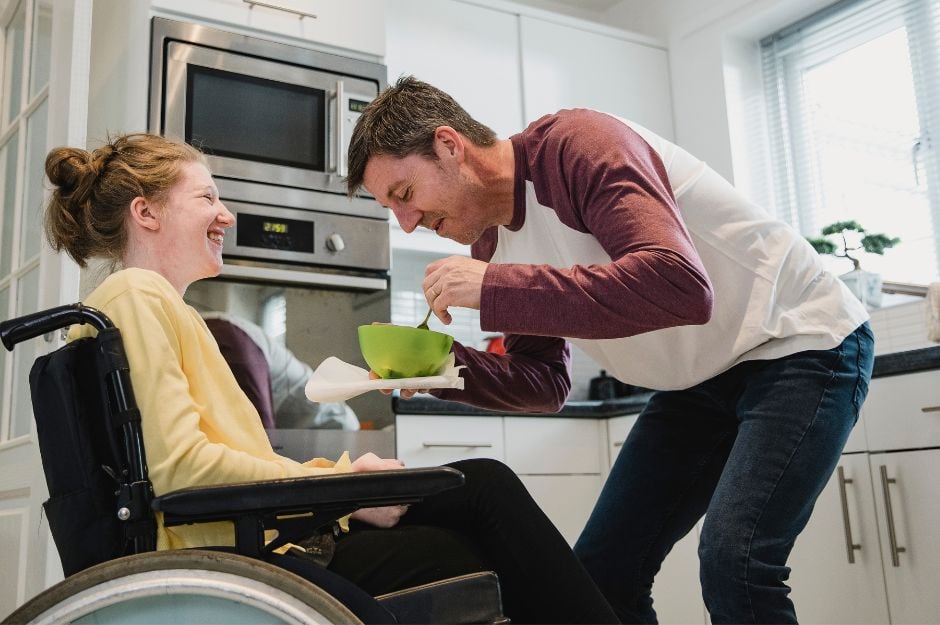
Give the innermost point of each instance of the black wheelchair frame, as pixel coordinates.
(102, 505)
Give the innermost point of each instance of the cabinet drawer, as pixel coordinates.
(554, 445)
(424, 441)
(903, 412)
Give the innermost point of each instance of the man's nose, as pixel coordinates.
(408, 218)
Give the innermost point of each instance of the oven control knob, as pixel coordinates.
(335, 243)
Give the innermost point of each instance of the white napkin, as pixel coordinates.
(933, 312)
(335, 380)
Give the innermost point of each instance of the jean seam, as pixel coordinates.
(750, 542)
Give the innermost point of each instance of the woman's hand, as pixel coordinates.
(386, 516)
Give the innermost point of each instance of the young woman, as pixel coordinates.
(150, 206)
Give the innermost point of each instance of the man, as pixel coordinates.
(592, 228)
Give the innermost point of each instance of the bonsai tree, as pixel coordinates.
(871, 243)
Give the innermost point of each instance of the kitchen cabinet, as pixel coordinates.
(469, 51)
(677, 592)
(869, 553)
(558, 459)
(836, 562)
(351, 25)
(566, 67)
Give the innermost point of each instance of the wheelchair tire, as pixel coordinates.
(180, 587)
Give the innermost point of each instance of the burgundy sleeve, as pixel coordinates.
(600, 177)
(532, 376)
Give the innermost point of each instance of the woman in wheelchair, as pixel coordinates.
(150, 206)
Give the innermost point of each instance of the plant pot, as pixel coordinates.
(865, 285)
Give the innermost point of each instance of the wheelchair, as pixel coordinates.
(101, 512)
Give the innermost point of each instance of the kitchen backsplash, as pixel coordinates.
(900, 327)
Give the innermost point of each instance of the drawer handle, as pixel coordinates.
(301, 14)
(850, 545)
(930, 409)
(446, 444)
(889, 516)
(618, 443)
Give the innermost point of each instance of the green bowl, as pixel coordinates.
(403, 351)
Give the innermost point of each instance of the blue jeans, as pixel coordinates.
(751, 449)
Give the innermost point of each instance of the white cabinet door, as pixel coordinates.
(469, 51)
(566, 67)
(566, 499)
(908, 505)
(351, 24)
(428, 440)
(554, 445)
(830, 585)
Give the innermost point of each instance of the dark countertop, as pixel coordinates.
(427, 405)
(911, 361)
(898, 363)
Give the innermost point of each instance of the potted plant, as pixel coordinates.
(851, 237)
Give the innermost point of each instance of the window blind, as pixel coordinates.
(853, 111)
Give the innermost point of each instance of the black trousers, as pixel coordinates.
(491, 523)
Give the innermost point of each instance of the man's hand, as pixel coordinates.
(405, 393)
(453, 281)
(386, 516)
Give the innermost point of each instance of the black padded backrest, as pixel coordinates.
(78, 450)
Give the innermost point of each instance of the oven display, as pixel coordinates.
(291, 235)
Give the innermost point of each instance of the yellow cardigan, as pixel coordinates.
(199, 428)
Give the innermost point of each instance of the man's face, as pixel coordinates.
(433, 194)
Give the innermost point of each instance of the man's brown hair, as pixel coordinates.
(401, 121)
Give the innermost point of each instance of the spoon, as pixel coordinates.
(424, 324)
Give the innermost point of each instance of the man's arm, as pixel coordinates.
(534, 375)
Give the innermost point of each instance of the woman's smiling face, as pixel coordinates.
(194, 221)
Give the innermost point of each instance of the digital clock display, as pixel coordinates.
(357, 106)
(263, 231)
(275, 226)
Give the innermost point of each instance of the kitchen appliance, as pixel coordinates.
(303, 262)
(265, 112)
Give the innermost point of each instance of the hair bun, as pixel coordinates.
(69, 169)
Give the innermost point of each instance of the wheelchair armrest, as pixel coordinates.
(348, 491)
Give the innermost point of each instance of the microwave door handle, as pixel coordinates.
(340, 148)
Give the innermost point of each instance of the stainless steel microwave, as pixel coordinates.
(264, 112)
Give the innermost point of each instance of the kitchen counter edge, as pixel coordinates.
(898, 363)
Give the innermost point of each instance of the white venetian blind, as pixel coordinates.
(853, 102)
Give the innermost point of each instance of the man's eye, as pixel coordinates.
(407, 195)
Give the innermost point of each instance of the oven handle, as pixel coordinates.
(306, 278)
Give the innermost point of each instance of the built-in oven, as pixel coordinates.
(304, 263)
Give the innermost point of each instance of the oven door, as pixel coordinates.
(262, 119)
(313, 319)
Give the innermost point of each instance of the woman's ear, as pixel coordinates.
(143, 214)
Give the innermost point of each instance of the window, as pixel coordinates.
(25, 52)
(853, 101)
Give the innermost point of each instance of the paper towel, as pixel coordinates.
(335, 380)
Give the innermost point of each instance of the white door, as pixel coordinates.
(44, 56)
(908, 512)
(837, 574)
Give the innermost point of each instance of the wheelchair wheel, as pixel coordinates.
(179, 587)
